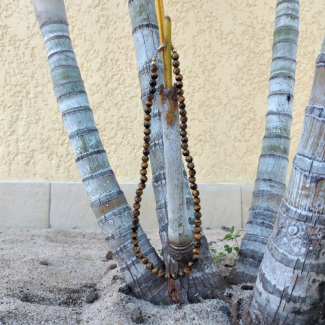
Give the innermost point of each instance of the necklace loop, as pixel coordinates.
(144, 165)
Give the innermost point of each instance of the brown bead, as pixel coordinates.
(147, 124)
(152, 83)
(184, 139)
(197, 207)
(147, 110)
(190, 165)
(134, 241)
(152, 90)
(175, 276)
(197, 222)
(197, 229)
(134, 235)
(191, 265)
(136, 213)
(134, 228)
(144, 165)
(183, 126)
(189, 159)
(176, 64)
(144, 179)
(179, 77)
(146, 138)
(145, 159)
(196, 251)
(184, 146)
(135, 220)
(183, 119)
(197, 215)
(181, 99)
(195, 258)
(137, 199)
(192, 172)
(175, 56)
(136, 206)
(185, 153)
(195, 193)
(183, 133)
(180, 92)
(146, 152)
(198, 236)
(187, 270)
(161, 274)
(145, 260)
(182, 105)
(177, 70)
(138, 192)
(143, 172)
(153, 68)
(154, 76)
(139, 256)
(191, 179)
(150, 96)
(183, 112)
(149, 266)
(149, 103)
(197, 243)
(136, 249)
(142, 186)
(179, 84)
(147, 117)
(147, 131)
(146, 145)
(167, 276)
(181, 274)
(155, 270)
(193, 186)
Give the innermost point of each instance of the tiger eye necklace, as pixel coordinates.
(144, 165)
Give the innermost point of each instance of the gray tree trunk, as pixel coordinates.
(107, 200)
(205, 280)
(290, 288)
(270, 182)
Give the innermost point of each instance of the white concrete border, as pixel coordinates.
(34, 205)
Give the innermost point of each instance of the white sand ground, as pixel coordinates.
(46, 275)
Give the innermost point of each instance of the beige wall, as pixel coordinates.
(225, 49)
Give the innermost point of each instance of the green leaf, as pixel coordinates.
(226, 246)
(236, 249)
(229, 237)
(232, 229)
(229, 250)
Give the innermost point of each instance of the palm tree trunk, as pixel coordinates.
(206, 280)
(290, 287)
(270, 182)
(107, 200)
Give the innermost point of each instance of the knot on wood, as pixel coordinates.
(173, 292)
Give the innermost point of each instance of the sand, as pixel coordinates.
(47, 275)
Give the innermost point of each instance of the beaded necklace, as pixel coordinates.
(144, 165)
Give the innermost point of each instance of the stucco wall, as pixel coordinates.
(225, 49)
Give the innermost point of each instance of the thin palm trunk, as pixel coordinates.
(206, 280)
(290, 287)
(106, 199)
(270, 182)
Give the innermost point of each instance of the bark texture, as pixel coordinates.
(107, 200)
(206, 280)
(291, 279)
(270, 182)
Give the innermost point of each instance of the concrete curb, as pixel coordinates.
(35, 205)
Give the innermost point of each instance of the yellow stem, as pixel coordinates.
(167, 59)
(160, 18)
